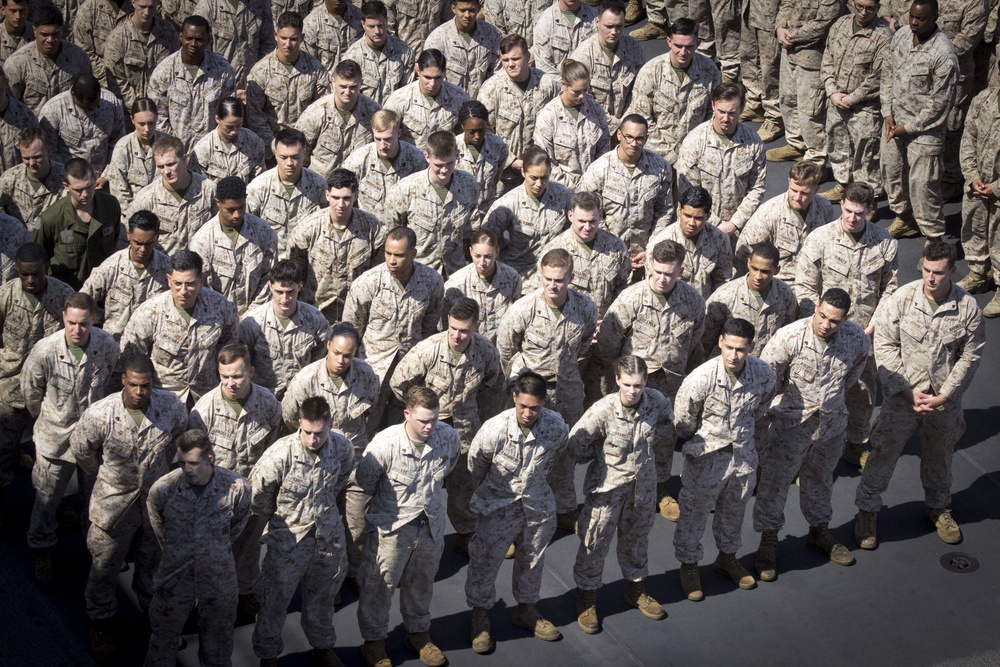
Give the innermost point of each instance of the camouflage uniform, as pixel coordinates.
(69, 9)
(600, 269)
(278, 352)
(119, 288)
(268, 198)
(421, 116)
(852, 64)
(180, 217)
(242, 32)
(16, 117)
(735, 299)
(514, 502)
(494, 296)
(13, 234)
(932, 351)
(531, 336)
(720, 459)
(130, 56)
(778, 223)
(296, 492)
(94, 21)
(573, 142)
(621, 445)
(555, 36)
(674, 103)
(376, 176)
(329, 137)
(9, 44)
(183, 352)
(334, 259)
(513, 111)
(277, 96)
(919, 86)
(732, 170)
(486, 166)
(470, 385)
(708, 260)
(383, 71)
(760, 57)
(442, 226)
(327, 37)
(57, 388)
(238, 269)
(187, 104)
(469, 62)
(981, 159)
(719, 31)
(865, 269)
(217, 158)
(120, 461)
(525, 224)
(130, 169)
(35, 79)
(195, 531)
(408, 513)
(413, 20)
(636, 202)
(611, 78)
(806, 436)
(514, 18)
(74, 132)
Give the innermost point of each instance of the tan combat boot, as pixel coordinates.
(374, 655)
(820, 539)
(566, 521)
(527, 617)
(785, 154)
(944, 522)
(752, 115)
(865, 529)
(904, 227)
(770, 131)
(586, 612)
(976, 283)
(102, 640)
(637, 598)
(834, 194)
(992, 309)
(667, 506)
(691, 582)
(728, 566)
(650, 31)
(421, 644)
(853, 452)
(766, 562)
(635, 11)
(482, 641)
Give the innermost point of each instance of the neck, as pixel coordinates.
(940, 293)
(557, 302)
(191, 61)
(624, 157)
(87, 208)
(278, 311)
(140, 25)
(342, 106)
(289, 181)
(139, 263)
(14, 32)
(340, 222)
(404, 275)
(411, 435)
(182, 182)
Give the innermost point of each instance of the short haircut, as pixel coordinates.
(534, 156)
(168, 144)
(586, 201)
(421, 397)
(30, 252)
(767, 251)
(85, 88)
(837, 298)
(187, 260)
(431, 58)
(230, 188)
(30, 135)
(374, 9)
(441, 144)
(291, 20)
(346, 330)
(80, 301)
(531, 383)
(511, 42)
(638, 119)
(196, 21)
(193, 439)
(860, 193)
(286, 272)
(727, 92)
(348, 69)
(229, 107)
(573, 71)
(935, 251)
(47, 14)
(684, 26)
(557, 258)
(78, 168)
(4, 3)
(314, 409)
(384, 120)
(613, 6)
(143, 104)
(229, 354)
(737, 326)
(806, 173)
(668, 251)
(464, 309)
(403, 233)
(342, 178)
(289, 136)
(487, 236)
(147, 221)
(696, 197)
(473, 109)
(630, 364)
(478, 3)
(140, 364)
(933, 4)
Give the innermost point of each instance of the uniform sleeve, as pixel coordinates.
(970, 139)
(972, 345)
(265, 480)
(241, 498)
(611, 335)
(588, 433)
(156, 90)
(262, 118)
(779, 354)
(346, 464)
(716, 314)
(411, 371)
(688, 174)
(482, 450)
(939, 97)
(356, 307)
(755, 190)
(808, 276)
(370, 471)
(291, 402)
(86, 442)
(688, 405)
(888, 349)
(156, 502)
(723, 270)
(432, 316)
(868, 89)
(510, 335)
(33, 381)
(813, 32)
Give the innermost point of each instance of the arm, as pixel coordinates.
(241, 497)
(813, 32)
(33, 382)
(688, 405)
(411, 371)
(939, 98)
(755, 191)
(262, 119)
(156, 502)
(808, 276)
(868, 90)
(482, 450)
(510, 335)
(779, 353)
(716, 314)
(370, 470)
(586, 435)
(265, 480)
(972, 346)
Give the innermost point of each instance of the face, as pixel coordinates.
(528, 408)
(314, 434)
(145, 10)
(800, 196)
(16, 14)
(431, 79)
(610, 27)
(80, 190)
(682, 50)
(573, 93)
(536, 179)
(632, 139)
(474, 130)
(137, 389)
(285, 297)
(399, 256)
(288, 41)
(289, 160)
(663, 275)
(853, 216)
(569, 5)
(235, 379)
(171, 167)
(35, 159)
(77, 323)
(184, 287)
(760, 272)
(865, 11)
(630, 386)
(555, 282)
(341, 200)
(726, 116)
(484, 258)
(346, 91)
(48, 38)
(32, 276)
(515, 63)
(465, 15)
(376, 31)
(196, 466)
(340, 351)
(387, 142)
(734, 352)
(420, 423)
(827, 319)
(460, 333)
(692, 220)
(585, 223)
(229, 127)
(193, 42)
(231, 212)
(145, 126)
(923, 20)
(937, 276)
(440, 169)
(141, 244)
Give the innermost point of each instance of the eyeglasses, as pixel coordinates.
(865, 9)
(641, 139)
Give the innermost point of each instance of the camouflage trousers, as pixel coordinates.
(623, 511)
(981, 235)
(852, 143)
(12, 423)
(567, 400)
(665, 12)
(461, 485)
(407, 558)
(317, 570)
(355, 506)
(51, 478)
(860, 400)
(760, 63)
(808, 449)
(246, 552)
(939, 431)
(663, 452)
(494, 534)
(414, 30)
(951, 167)
(711, 481)
(719, 30)
(169, 611)
(108, 549)
(911, 175)
(803, 109)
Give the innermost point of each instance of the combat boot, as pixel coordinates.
(668, 507)
(976, 283)
(728, 566)
(510, 552)
(374, 655)
(865, 529)
(992, 309)
(246, 609)
(420, 643)
(636, 597)
(691, 582)
(820, 539)
(766, 562)
(43, 569)
(325, 657)
(944, 522)
(482, 642)
(904, 227)
(635, 11)
(566, 521)
(770, 131)
(268, 662)
(526, 616)
(102, 640)
(785, 154)
(462, 543)
(751, 115)
(834, 194)
(586, 612)
(650, 31)
(853, 453)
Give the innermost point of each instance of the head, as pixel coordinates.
(290, 154)
(610, 23)
(938, 268)
(15, 13)
(229, 118)
(137, 381)
(857, 202)
(530, 393)
(346, 84)
(421, 413)
(556, 273)
(632, 136)
(285, 281)
(79, 314)
(288, 36)
(923, 18)
(575, 80)
(194, 36)
(315, 422)
(630, 376)
(386, 132)
(442, 156)
(196, 457)
(865, 11)
(665, 265)
(80, 182)
(144, 115)
(514, 57)
(536, 168)
(585, 216)
(171, 161)
(762, 266)
(400, 251)
(341, 348)
(465, 14)
(86, 91)
(831, 312)
(235, 371)
(682, 38)
(375, 22)
(34, 148)
(475, 121)
(32, 265)
(341, 193)
(431, 66)
(231, 198)
(736, 342)
(48, 29)
(727, 105)
(143, 231)
(693, 211)
(144, 11)
(803, 183)
(484, 249)
(463, 322)
(186, 278)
